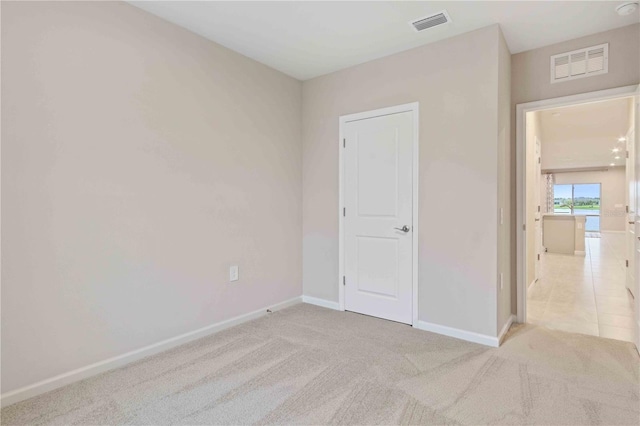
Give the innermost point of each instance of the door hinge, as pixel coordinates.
(524, 227)
(626, 262)
(627, 154)
(344, 280)
(344, 143)
(538, 209)
(626, 209)
(539, 161)
(344, 211)
(538, 256)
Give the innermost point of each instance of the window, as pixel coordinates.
(579, 199)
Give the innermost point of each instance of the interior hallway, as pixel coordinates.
(585, 294)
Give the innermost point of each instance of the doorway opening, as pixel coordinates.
(577, 209)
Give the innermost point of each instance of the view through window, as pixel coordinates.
(579, 199)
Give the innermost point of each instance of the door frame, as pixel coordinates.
(343, 120)
(521, 111)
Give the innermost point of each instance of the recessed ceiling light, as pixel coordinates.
(617, 157)
(622, 139)
(616, 149)
(612, 164)
(627, 8)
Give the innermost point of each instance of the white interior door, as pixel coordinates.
(378, 216)
(538, 217)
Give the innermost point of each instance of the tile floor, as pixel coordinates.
(585, 294)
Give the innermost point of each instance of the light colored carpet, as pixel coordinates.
(309, 365)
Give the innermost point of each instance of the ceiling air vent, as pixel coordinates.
(431, 21)
(580, 63)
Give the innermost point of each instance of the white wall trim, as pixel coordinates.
(415, 108)
(60, 380)
(457, 333)
(322, 302)
(521, 111)
(506, 328)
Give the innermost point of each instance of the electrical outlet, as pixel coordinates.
(233, 273)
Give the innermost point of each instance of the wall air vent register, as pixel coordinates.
(580, 63)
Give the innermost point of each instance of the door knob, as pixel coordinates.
(405, 228)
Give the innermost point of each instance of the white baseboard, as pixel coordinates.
(506, 328)
(469, 336)
(60, 380)
(321, 302)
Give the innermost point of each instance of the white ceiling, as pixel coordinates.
(585, 135)
(308, 39)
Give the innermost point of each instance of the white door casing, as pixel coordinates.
(636, 284)
(378, 217)
(631, 211)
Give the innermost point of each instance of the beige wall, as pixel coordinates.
(530, 81)
(456, 83)
(138, 162)
(531, 75)
(613, 194)
(504, 182)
